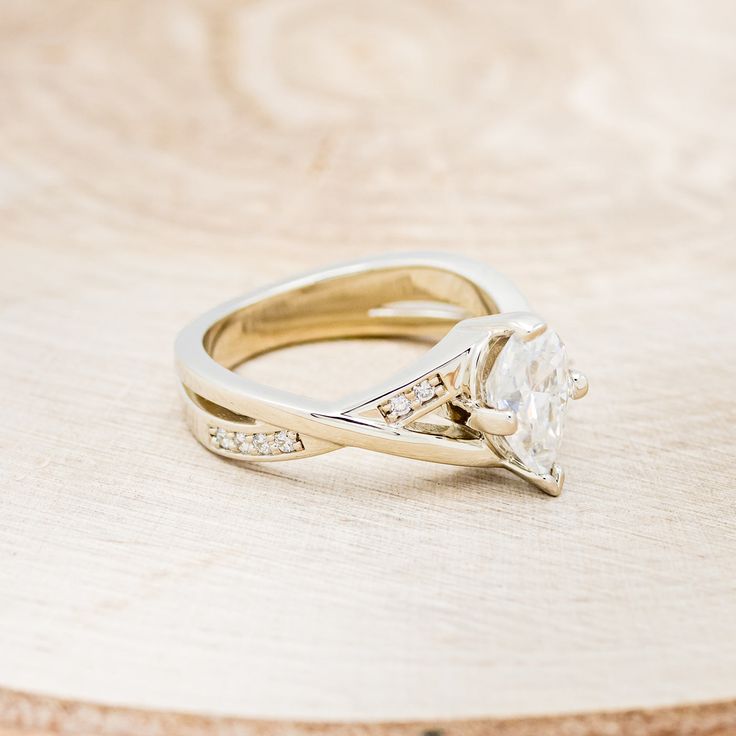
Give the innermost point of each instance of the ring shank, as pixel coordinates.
(417, 295)
(407, 301)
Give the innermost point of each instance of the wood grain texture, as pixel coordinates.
(33, 715)
(157, 158)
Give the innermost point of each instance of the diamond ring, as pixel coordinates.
(493, 391)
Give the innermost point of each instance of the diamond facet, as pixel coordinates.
(399, 405)
(284, 442)
(532, 379)
(227, 443)
(424, 391)
(261, 444)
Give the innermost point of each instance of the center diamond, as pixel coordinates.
(531, 378)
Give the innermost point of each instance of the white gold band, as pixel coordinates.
(434, 409)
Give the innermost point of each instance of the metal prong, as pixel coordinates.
(551, 483)
(532, 331)
(526, 324)
(492, 421)
(579, 384)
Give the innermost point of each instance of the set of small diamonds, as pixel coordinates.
(412, 398)
(261, 443)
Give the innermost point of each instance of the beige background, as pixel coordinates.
(157, 158)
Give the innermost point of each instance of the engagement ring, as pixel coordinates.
(492, 392)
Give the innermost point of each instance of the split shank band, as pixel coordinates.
(469, 400)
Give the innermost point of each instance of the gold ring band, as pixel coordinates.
(492, 392)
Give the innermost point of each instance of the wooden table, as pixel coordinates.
(157, 158)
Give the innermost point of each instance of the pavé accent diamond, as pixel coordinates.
(399, 405)
(412, 398)
(424, 391)
(261, 444)
(284, 441)
(280, 442)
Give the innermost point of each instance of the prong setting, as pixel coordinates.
(495, 329)
(579, 384)
(501, 422)
(529, 329)
(239, 443)
(414, 400)
(551, 483)
(522, 373)
(527, 325)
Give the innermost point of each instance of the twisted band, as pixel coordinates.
(472, 399)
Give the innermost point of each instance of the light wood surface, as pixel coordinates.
(158, 158)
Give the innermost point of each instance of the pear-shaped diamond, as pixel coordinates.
(532, 379)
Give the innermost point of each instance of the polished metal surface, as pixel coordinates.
(430, 410)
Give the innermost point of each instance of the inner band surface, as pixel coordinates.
(416, 301)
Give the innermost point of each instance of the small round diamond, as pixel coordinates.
(399, 405)
(284, 442)
(227, 443)
(261, 444)
(241, 437)
(424, 391)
